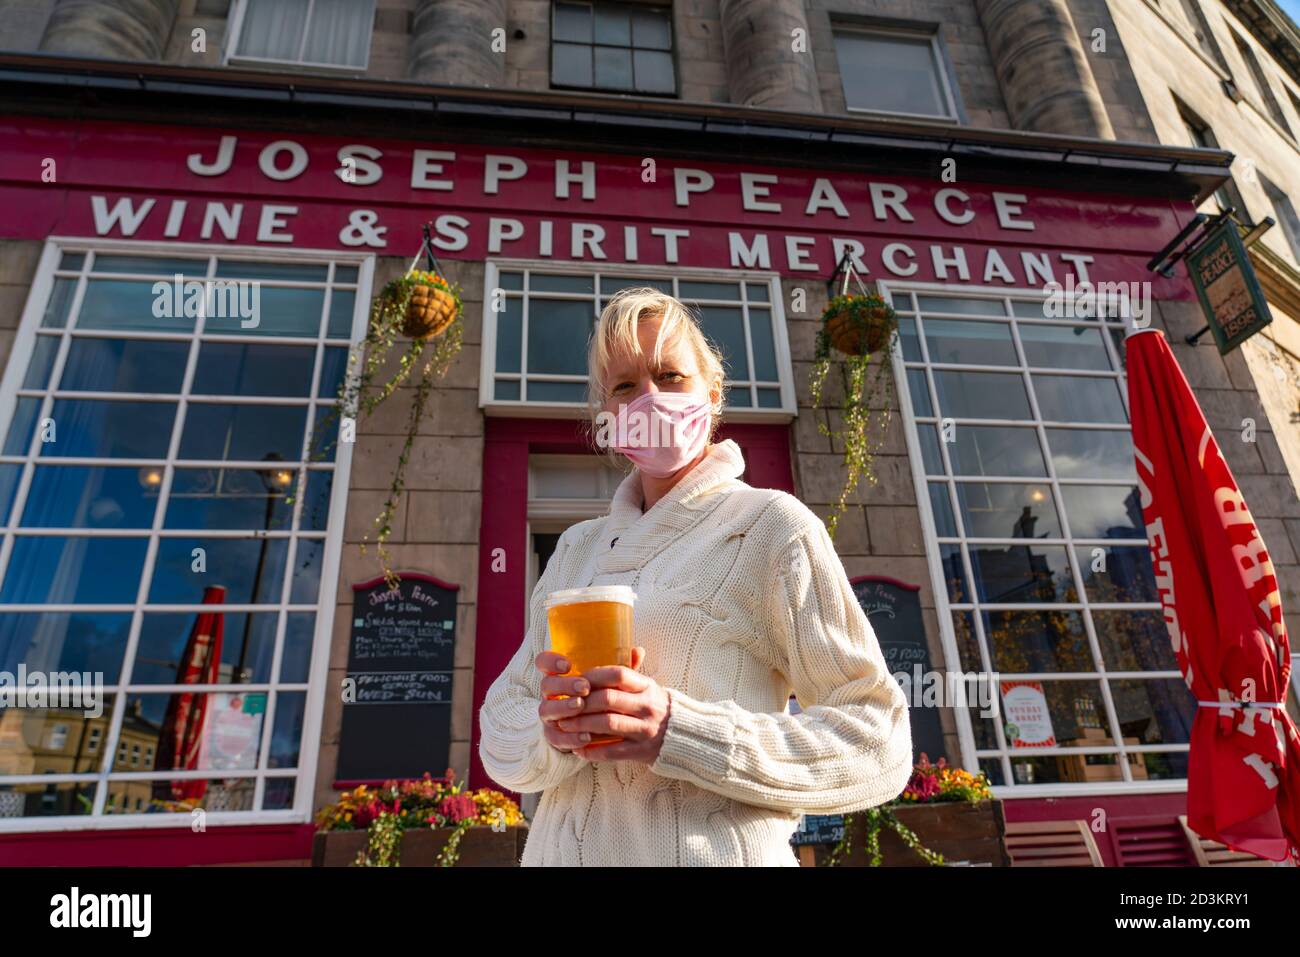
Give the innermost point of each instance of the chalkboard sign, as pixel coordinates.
(894, 610)
(401, 655)
(819, 829)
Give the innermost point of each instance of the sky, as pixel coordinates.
(1292, 8)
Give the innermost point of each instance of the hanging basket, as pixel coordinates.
(430, 308)
(857, 325)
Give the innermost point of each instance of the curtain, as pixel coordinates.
(339, 32)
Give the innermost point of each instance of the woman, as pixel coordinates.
(740, 599)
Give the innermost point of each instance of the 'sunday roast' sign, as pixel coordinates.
(401, 656)
(87, 178)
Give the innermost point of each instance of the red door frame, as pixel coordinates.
(506, 447)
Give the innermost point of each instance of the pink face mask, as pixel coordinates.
(662, 431)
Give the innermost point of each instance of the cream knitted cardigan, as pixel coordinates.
(741, 597)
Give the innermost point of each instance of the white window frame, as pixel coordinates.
(302, 810)
(965, 730)
(937, 61)
(524, 408)
(238, 14)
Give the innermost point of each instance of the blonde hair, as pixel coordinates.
(616, 333)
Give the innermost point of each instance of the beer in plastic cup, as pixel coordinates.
(592, 627)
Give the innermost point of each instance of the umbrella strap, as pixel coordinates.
(1239, 704)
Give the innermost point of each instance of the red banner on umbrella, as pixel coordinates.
(1223, 609)
(181, 734)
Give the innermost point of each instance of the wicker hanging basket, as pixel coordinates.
(429, 311)
(854, 337)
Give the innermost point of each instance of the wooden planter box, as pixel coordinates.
(958, 830)
(479, 847)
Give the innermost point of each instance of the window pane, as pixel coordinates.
(151, 266)
(769, 398)
(1007, 511)
(972, 307)
(908, 339)
(127, 304)
(276, 312)
(954, 573)
(929, 441)
(305, 588)
(573, 22)
(250, 433)
(324, 435)
(316, 501)
(510, 280)
(232, 723)
(760, 340)
(981, 395)
(613, 25)
(510, 333)
(333, 369)
(56, 310)
(74, 496)
(553, 391)
(238, 368)
(1064, 347)
(558, 282)
(726, 327)
(968, 649)
(229, 498)
(1092, 453)
(650, 28)
(273, 29)
(613, 68)
(338, 32)
(1022, 573)
(557, 336)
(1078, 719)
(299, 636)
(970, 343)
(1134, 640)
(9, 475)
(994, 450)
(570, 64)
(1156, 711)
(58, 570)
(920, 392)
(287, 272)
(124, 365)
(72, 261)
(757, 292)
(251, 570)
(106, 429)
(290, 707)
(343, 304)
(1079, 399)
(708, 290)
(19, 439)
(159, 660)
(1103, 511)
(65, 641)
(1030, 641)
(1119, 573)
(345, 273)
(38, 370)
(941, 506)
(654, 71)
(889, 73)
(506, 390)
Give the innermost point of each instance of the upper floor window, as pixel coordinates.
(1286, 214)
(613, 46)
(1261, 83)
(321, 33)
(893, 71)
(1200, 135)
(535, 342)
(1199, 27)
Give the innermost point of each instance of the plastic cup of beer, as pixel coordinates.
(591, 627)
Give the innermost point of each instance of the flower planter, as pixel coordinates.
(429, 311)
(959, 830)
(853, 339)
(479, 847)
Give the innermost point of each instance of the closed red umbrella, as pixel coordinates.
(1223, 610)
(181, 734)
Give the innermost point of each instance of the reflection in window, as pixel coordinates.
(97, 473)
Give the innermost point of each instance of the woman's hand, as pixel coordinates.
(617, 700)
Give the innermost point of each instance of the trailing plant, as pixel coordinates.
(929, 784)
(424, 307)
(399, 806)
(858, 327)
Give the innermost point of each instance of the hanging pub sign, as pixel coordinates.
(1226, 284)
(401, 656)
